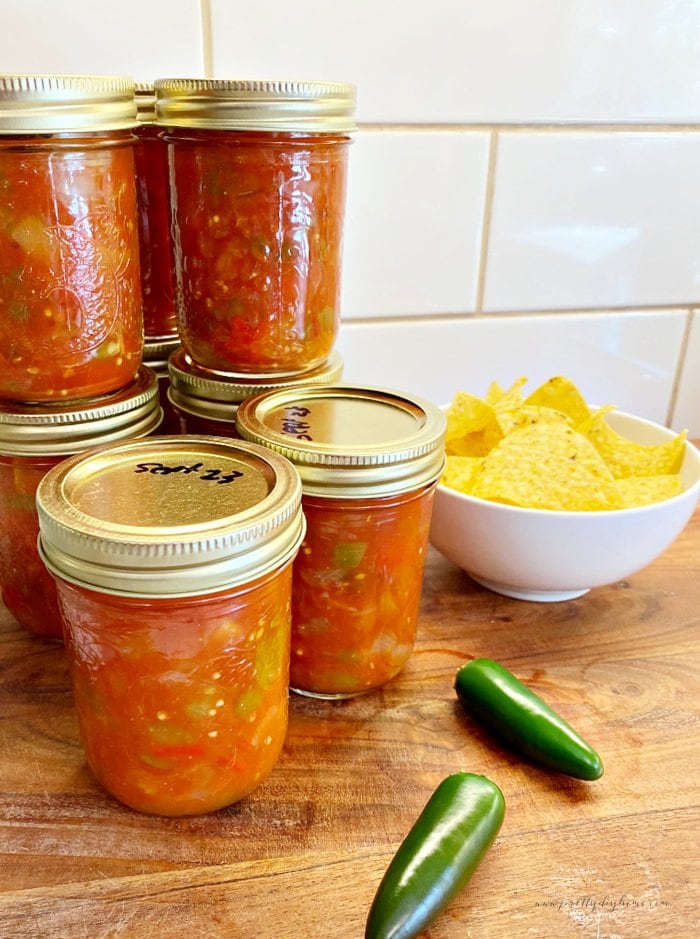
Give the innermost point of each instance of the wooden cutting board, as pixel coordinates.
(302, 857)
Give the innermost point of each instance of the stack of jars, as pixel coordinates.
(278, 540)
(71, 333)
(258, 173)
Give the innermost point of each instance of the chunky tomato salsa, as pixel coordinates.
(357, 586)
(70, 298)
(28, 590)
(257, 223)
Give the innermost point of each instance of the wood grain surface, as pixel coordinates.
(302, 857)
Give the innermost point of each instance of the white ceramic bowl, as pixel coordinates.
(533, 554)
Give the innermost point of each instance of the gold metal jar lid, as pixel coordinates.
(53, 104)
(170, 516)
(311, 106)
(216, 395)
(350, 441)
(66, 427)
(145, 95)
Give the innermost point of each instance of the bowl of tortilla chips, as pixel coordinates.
(544, 497)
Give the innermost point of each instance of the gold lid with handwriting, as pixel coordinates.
(170, 517)
(350, 441)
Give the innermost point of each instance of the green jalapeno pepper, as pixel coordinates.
(437, 857)
(517, 715)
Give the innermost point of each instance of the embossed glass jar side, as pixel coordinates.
(71, 322)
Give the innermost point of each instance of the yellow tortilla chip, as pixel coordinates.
(512, 398)
(472, 428)
(527, 414)
(627, 458)
(460, 471)
(549, 451)
(561, 394)
(643, 490)
(494, 394)
(546, 466)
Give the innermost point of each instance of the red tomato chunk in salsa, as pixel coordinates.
(357, 587)
(182, 703)
(257, 224)
(70, 298)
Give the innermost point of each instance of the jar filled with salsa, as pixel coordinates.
(71, 324)
(369, 460)
(173, 560)
(155, 245)
(33, 439)
(258, 178)
(206, 401)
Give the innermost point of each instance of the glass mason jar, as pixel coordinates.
(71, 324)
(206, 401)
(173, 560)
(155, 244)
(155, 356)
(258, 179)
(33, 439)
(369, 460)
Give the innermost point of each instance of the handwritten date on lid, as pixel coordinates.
(170, 494)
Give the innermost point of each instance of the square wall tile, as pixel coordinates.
(686, 412)
(144, 40)
(477, 61)
(594, 220)
(627, 359)
(415, 207)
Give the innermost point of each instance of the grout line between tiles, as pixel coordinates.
(207, 46)
(486, 222)
(680, 365)
(494, 316)
(528, 127)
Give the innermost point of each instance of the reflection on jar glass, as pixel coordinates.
(369, 460)
(173, 563)
(258, 179)
(72, 324)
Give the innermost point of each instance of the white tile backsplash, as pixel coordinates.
(144, 40)
(628, 359)
(479, 61)
(414, 221)
(572, 250)
(686, 412)
(594, 220)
